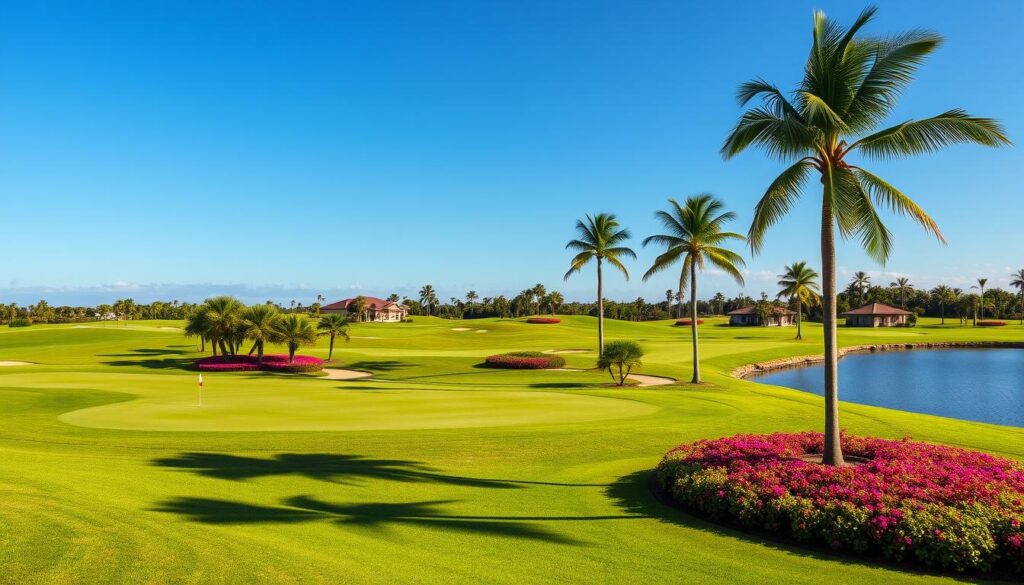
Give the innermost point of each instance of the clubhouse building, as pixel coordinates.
(748, 317)
(876, 315)
(374, 309)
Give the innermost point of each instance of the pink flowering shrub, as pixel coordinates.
(943, 506)
(991, 323)
(688, 322)
(543, 320)
(271, 362)
(525, 360)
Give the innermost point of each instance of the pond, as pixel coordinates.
(985, 385)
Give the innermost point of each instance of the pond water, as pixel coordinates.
(984, 385)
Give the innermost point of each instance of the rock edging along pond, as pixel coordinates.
(807, 360)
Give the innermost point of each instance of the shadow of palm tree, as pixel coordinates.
(380, 365)
(148, 352)
(156, 364)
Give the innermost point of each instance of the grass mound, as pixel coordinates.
(525, 360)
(943, 506)
(271, 363)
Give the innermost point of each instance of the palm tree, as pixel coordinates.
(719, 299)
(1018, 282)
(799, 283)
(861, 283)
(555, 300)
(539, 292)
(260, 324)
(393, 298)
(333, 325)
(294, 330)
(471, 298)
(981, 284)
(197, 326)
(850, 85)
(902, 284)
(943, 294)
(428, 298)
(223, 320)
(599, 238)
(695, 237)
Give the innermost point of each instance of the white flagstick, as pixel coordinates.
(200, 389)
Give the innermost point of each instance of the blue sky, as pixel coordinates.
(280, 149)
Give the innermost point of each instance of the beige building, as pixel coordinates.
(747, 317)
(374, 309)
(876, 315)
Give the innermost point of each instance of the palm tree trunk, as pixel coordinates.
(833, 453)
(330, 352)
(1022, 306)
(600, 310)
(799, 310)
(942, 311)
(693, 322)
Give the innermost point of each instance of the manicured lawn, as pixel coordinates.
(433, 470)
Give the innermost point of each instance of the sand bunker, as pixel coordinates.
(650, 380)
(339, 374)
(566, 351)
(460, 328)
(480, 331)
(365, 337)
(13, 363)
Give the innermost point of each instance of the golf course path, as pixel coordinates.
(339, 374)
(13, 363)
(651, 380)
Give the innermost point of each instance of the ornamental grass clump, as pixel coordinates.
(942, 506)
(525, 360)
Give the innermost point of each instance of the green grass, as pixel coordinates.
(433, 470)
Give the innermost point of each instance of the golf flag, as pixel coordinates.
(200, 380)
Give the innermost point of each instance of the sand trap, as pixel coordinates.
(365, 337)
(480, 331)
(170, 328)
(566, 370)
(650, 380)
(13, 363)
(566, 351)
(339, 374)
(460, 328)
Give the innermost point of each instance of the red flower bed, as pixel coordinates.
(688, 322)
(991, 323)
(525, 360)
(271, 362)
(543, 320)
(943, 506)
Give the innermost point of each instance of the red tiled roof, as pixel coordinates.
(877, 309)
(371, 303)
(750, 311)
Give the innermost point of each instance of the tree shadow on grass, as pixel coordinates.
(147, 352)
(337, 468)
(374, 516)
(559, 385)
(637, 495)
(377, 365)
(156, 364)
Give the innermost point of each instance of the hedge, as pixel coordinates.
(991, 323)
(271, 362)
(543, 320)
(688, 322)
(525, 360)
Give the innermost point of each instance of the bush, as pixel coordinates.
(543, 320)
(19, 322)
(991, 323)
(688, 322)
(525, 360)
(271, 362)
(943, 506)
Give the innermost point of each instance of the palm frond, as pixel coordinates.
(881, 191)
(932, 134)
(776, 202)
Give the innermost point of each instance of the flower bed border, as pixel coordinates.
(687, 322)
(543, 320)
(525, 360)
(991, 323)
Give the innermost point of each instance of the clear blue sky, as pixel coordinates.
(285, 148)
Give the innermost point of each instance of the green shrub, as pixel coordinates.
(19, 322)
(619, 358)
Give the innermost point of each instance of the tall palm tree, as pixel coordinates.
(719, 299)
(861, 283)
(294, 330)
(601, 238)
(428, 298)
(333, 325)
(981, 285)
(850, 85)
(223, 319)
(799, 283)
(197, 326)
(902, 284)
(1018, 282)
(260, 324)
(943, 294)
(539, 292)
(695, 237)
(471, 298)
(555, 300)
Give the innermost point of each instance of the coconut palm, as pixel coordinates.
(260, 324)
(799, 283)
(861, 282)
(554, 300)
(294, 330)
(600, 238)
(471, 297)
(223, 323)
(198, 326)
(333, 325)
(694, 236)
(902, 285)
(428, 298)
(943, 295)
(981, 285)
(850, 85)
(1018, 282)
